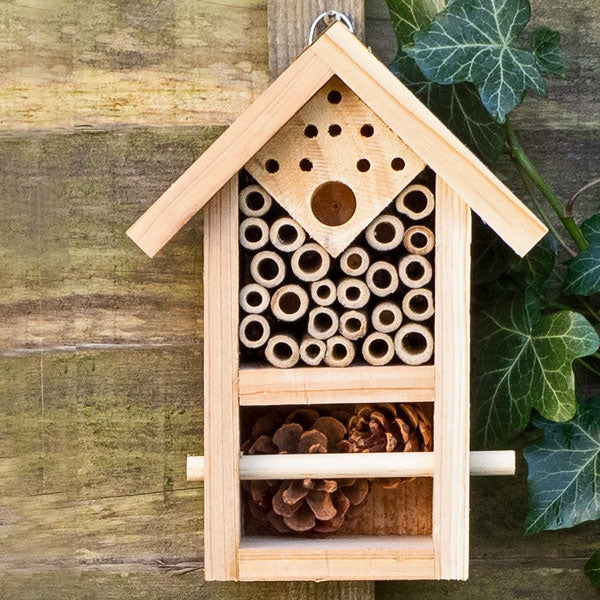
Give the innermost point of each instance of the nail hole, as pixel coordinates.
(398, 164)
(334, 97)
(367, 131)
(363, 165)
(311, 131)
(306, 165)
(272, 166)
(334, 130)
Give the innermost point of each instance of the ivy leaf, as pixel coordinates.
(583, 271)
(592, 569)
(525, 361)
(564, 471)
(545, 45)
(536, 266)
(458, 106)
(472, 40)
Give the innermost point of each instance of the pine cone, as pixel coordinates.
(309, 505)
(390, 428)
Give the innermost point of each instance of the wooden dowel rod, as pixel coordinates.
(339, 466)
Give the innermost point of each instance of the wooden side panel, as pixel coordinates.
(451, 416)
(222, 517)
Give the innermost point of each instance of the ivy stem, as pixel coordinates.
(589, 308)
(520, 157)
(531, 193)
(588, 367)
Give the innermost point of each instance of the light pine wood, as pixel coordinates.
(264, 386)
(222, 516)
(331, 152)
(352, 558)
(452, 358)
(482, 462)
(289, 24)
(397, 106)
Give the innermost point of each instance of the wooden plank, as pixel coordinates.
(276, 559)
(289, 24)
(222, 512)
(451, 432)
(229, 153)
(267, 386)
(429, 138)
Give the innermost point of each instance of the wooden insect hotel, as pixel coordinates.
(336, 325)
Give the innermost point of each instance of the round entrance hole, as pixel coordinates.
(333, 203)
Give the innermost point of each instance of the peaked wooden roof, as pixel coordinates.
(339, 52)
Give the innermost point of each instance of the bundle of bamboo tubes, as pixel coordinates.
(373, 303)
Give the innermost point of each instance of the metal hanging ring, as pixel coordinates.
(329, 17)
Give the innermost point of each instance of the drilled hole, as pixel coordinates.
(323, 321)
(415, 201)
(415, 271)
(255, 201)
(339, 351)
(268, 269)
(414, 342)
(352, 293)
(363, 165)
(333, 203)
(352, 325)
(310, 261)
(311, 131)
(334, 130)
(384, 232)
(398, 163)
(306, 165)
(272, 166)
(289, 303)
(378, 348)
(254, 331)
(382, 279)
(367, 130)
(253, 233)
(418, 240)
(334, 97)
(386, 317)
(254, 299)
(287, 234)
(312, 350)
(418, 304)
(282, 351)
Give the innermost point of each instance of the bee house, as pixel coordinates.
(336, 325)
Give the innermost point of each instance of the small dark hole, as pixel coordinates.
(255, 201)
(311, 131)
(363, 165)
(415, 271)
(384, 232)
(352, 325)
(418, 304)
(339, 351)
(287, 234)
(310, 261)
(382, 279)
(253, 233)
(272, 166)
(254, 299)
(415, 201)
(378, 348)
(352, 293)
(367, 130)
(289, 303)
(414, 342)
(334, 130)
(386, 317)
(312, 350)
(355, 261)
(334, 97)
(398, 164)
(323, 292)
(306, 165)
(282, 351)
(268, 269)
(254, 331)
(323, 321)
(419, 240)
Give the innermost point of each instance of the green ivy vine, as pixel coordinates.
(536, 319)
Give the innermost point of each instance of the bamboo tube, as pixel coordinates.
(322, 322)
(354, 261)
(323, 292)
(282, 351)
(378, 348)
(419, 239)
(254, 331)
(382, 278)
(386, 317)
(289, 303)
(414, 344)
(415, 271)
(287, 235)
(416, 202)
(254, 298)
(340, 352)
(355, 465)
(267, 268)
(254, 201)
(353, 324)
(310, 262)
(312, 350)
(353, 293)
(254, 233)
(417, 305)
(385, 233)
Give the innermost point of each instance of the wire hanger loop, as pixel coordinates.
(329, 17)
